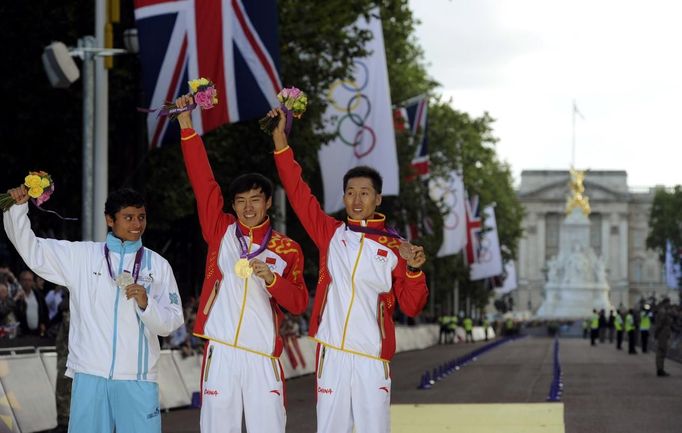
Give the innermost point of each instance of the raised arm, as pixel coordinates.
(209, 197)
(317, 223)
(53, 260)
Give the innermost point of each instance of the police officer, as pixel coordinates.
(618, 324)
(594, 328)
(645, 326)
(631, 330)
(468, 328)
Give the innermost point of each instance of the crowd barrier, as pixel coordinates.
(28, 376)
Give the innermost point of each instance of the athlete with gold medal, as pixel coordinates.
(251, 271)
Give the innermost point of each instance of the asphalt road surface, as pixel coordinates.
(605, 390)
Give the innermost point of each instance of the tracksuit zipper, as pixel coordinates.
(246, 291)
(352, 296)
(118, 295)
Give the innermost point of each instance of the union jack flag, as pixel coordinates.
(474, 225)
(412, 117)
(231, 42)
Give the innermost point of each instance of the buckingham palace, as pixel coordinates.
(619, 226)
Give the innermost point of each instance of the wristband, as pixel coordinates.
(413, 270)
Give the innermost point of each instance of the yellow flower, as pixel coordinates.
(44, 182)
(195, 84)
(32, 181)
(35, 192)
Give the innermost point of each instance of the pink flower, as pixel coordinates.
(45, 195)
(205, 98)
(294, 92)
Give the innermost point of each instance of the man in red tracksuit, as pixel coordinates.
(362, 272)
(251, 270)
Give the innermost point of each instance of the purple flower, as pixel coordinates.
(294, 92)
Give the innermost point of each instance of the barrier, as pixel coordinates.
(48, 356)
(27, 389)
(28, 376)
(190, 370)
(172, 388)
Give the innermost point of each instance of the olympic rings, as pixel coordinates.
(357, 108)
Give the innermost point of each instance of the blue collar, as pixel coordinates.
(115, 245)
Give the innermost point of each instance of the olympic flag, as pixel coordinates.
(359, 110)
(449, 195)
(489, 263)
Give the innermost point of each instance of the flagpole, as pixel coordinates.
(573, 137)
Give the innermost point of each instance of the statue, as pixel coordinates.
(577, 200)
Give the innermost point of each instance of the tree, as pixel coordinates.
(665, 221)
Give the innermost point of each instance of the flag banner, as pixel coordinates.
(509, 281)
(417, 118)
(473, 228)
(412, 117)
(449, 195)
(359, 110)
(233, 43)
(672, 269)
(488, 261)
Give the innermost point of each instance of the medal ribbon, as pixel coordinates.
(389, 232)
(136, 266)
(245, 254)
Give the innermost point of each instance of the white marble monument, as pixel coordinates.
(576, 277)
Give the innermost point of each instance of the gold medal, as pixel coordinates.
(242, 269)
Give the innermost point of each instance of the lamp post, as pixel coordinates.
(62, 71)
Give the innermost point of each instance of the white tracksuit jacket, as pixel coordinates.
(109, 335)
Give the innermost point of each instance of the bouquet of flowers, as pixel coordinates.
(40, 187)
(293, 102)
(202, 90)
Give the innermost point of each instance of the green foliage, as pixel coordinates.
(665, 221)
(318, 43)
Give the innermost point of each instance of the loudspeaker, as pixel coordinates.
(59, 66)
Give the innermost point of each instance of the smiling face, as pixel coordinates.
(360, 198)
(128, 224)
(251, 207)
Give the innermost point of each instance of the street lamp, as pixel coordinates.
(62, 71)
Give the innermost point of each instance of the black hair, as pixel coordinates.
(122, 198)
(364, 171)
(247, 182)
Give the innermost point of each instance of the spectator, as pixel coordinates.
(7, 317)
(31, 310)
(53, 299)
(8, 278)
(603, 324)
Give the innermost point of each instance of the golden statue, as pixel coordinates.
(577, 189)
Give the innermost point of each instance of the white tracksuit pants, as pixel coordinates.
(352, 391)
(234, 379)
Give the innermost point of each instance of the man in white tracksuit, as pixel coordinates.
(365, 270)
(123, 296)
(252, 272)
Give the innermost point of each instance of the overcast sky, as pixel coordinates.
(525, 61)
